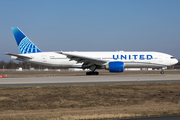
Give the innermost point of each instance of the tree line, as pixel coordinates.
(24, 65)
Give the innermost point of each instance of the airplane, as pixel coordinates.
(115, 61)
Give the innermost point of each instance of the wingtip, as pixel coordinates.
(60, 52)
(6, 53)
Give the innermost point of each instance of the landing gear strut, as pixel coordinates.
(92, 68)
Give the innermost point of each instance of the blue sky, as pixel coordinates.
(92, 25)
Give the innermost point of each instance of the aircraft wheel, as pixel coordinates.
(92, 73)
(96, 73)
(88, 73)
(162, 72)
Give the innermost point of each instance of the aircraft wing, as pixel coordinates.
(18, 56)
(83, 59)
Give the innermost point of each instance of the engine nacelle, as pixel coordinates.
(14, 57)
(116, 66)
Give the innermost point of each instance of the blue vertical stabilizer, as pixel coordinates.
(24, 43)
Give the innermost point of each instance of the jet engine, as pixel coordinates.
(115, 66)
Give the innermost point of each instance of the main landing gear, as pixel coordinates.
(92, 73)
(92, 68)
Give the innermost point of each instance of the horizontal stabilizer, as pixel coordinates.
(19, 56)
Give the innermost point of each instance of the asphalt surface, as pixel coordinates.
(25, 74)
(84, 80)
(176, 117)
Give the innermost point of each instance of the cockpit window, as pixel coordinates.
(172, 57)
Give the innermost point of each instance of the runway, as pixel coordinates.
(80, 80)
(175, 117)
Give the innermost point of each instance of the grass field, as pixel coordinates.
(90, 101)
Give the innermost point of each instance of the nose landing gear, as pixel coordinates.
(162, 71)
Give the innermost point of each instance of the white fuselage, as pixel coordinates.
(130, 59)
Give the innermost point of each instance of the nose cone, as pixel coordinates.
(176, 61)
